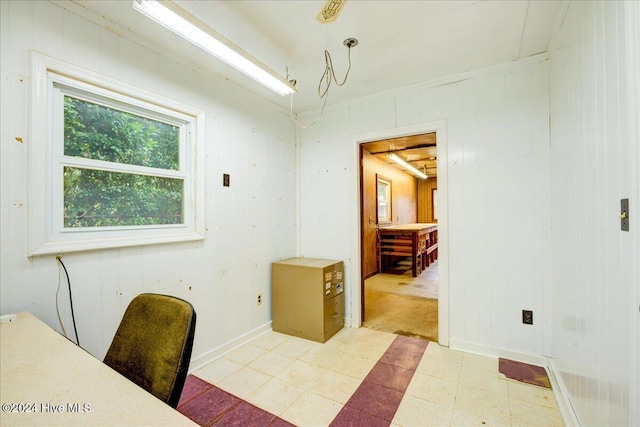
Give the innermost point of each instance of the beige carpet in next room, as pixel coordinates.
(402, 304)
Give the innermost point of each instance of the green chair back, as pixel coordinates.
(152, 346)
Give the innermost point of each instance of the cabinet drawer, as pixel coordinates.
(333, 315)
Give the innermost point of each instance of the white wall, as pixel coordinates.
(594, 163)
(250, 224)
(513, 202)
(497, 162)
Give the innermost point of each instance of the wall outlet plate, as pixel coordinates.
(527, 317)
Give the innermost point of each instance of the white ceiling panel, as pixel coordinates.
(401, 42)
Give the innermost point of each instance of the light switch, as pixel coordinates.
(624, 214)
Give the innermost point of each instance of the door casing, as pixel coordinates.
(357, 291)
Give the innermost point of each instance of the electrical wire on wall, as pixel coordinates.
(73, 317)
(298, 122)
(328, 77)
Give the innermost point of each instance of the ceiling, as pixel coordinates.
(401, 43)
(417, 150)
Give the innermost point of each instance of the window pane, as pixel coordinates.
(101, 133)
(94, 198)
(382, 191)
(383, 211)
(384, 200)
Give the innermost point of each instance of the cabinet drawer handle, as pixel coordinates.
(335, 315)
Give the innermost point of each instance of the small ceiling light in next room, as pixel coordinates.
(407, 166)
(178, 20)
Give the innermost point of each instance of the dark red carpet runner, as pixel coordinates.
(373, 404)
(376, 401)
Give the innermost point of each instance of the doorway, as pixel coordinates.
(407, 287)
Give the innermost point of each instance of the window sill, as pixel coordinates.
(65, 247)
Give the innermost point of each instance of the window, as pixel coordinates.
(384, 200)
(434, 204)
(111, 165)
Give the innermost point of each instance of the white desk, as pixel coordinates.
(44, 372)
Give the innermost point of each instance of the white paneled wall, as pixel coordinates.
(594, 163)
(497, 161)
(531, 198)
(249, 224)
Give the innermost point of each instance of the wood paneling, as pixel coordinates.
(418, 150)
(403, 204)
(369, 214)
(404, 192)
(425, 202)
(402, 143)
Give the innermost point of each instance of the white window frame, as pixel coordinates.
(51, 80)
(387, 192)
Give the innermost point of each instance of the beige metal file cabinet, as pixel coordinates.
(307, 297)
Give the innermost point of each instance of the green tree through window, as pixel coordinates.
(102, 198)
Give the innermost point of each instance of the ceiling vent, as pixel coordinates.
(330, 11)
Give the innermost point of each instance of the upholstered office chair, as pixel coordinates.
(152, 346)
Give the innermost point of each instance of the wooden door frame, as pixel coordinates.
(357, 295)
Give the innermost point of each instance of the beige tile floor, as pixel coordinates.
(425, 285)
(402, 304)
(307, 383)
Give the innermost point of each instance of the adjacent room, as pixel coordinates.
(315, 213)
(399, 235)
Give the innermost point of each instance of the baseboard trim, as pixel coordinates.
(532, 359)
(562, 395)
(211, 355)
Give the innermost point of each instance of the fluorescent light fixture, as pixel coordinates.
(178, 20)
(406, 165)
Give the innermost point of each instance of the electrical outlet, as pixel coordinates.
(259, 299)
(527, 317)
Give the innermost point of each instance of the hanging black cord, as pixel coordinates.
(73, 317)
